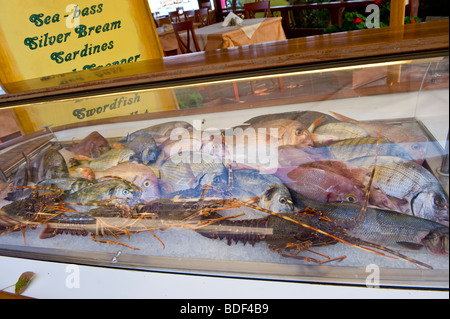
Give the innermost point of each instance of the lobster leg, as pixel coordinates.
(111, 242)
(297, 248)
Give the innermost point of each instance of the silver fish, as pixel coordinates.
(145, 148)
(191, 169)
(269, 190)
(419, 193)
(48, 164)
(366, 146)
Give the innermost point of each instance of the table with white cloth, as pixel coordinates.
(216, 36)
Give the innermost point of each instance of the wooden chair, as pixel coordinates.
(185, 46)
(206, 5)
(174, 16)
(252, 7)
(189, 15)
(202, 16)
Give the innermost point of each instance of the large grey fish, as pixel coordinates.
(191, 169)
(109, 190)
(144, 146)
(69, 184)
(418, 191)
(384, 227)
(366, 146)
(269, 190)
(160, 132)
(48, 164)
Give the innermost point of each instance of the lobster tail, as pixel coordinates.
(244, 231)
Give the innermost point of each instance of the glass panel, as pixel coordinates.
(275, 165)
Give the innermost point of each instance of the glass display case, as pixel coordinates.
(332, 173)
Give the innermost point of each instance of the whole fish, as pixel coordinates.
(144, 146)
(335, 181)
(108, 159)
(269, 190)
(191, 169)
(91, 146)
(417, 191)
(69, 184)
(48, 164)
(161, 132)
(336, 132)
(384, 227)
(414, 141)
(288, 132)
(108, 190)
(139, 174)
(307, 118)
(366, 146)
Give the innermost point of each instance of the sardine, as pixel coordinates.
(366, 146)
(384, 227)
(413, 185)
(92, 146)
(413, 141)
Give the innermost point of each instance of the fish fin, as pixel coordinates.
(316, 123)
(48, 232)
(408, 245)
(344, 118)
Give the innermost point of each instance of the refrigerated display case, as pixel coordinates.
(328, 172)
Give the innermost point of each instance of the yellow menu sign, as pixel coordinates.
(40, 38)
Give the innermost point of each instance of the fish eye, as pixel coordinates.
(439, 201)
(415, 146)
(299, 132)
(147, 184)
(125, 192)
(283, 200)
(350, 198)
(217, 179)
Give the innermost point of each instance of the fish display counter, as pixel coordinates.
(337, 174)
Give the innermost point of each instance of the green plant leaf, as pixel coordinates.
(23, 282)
